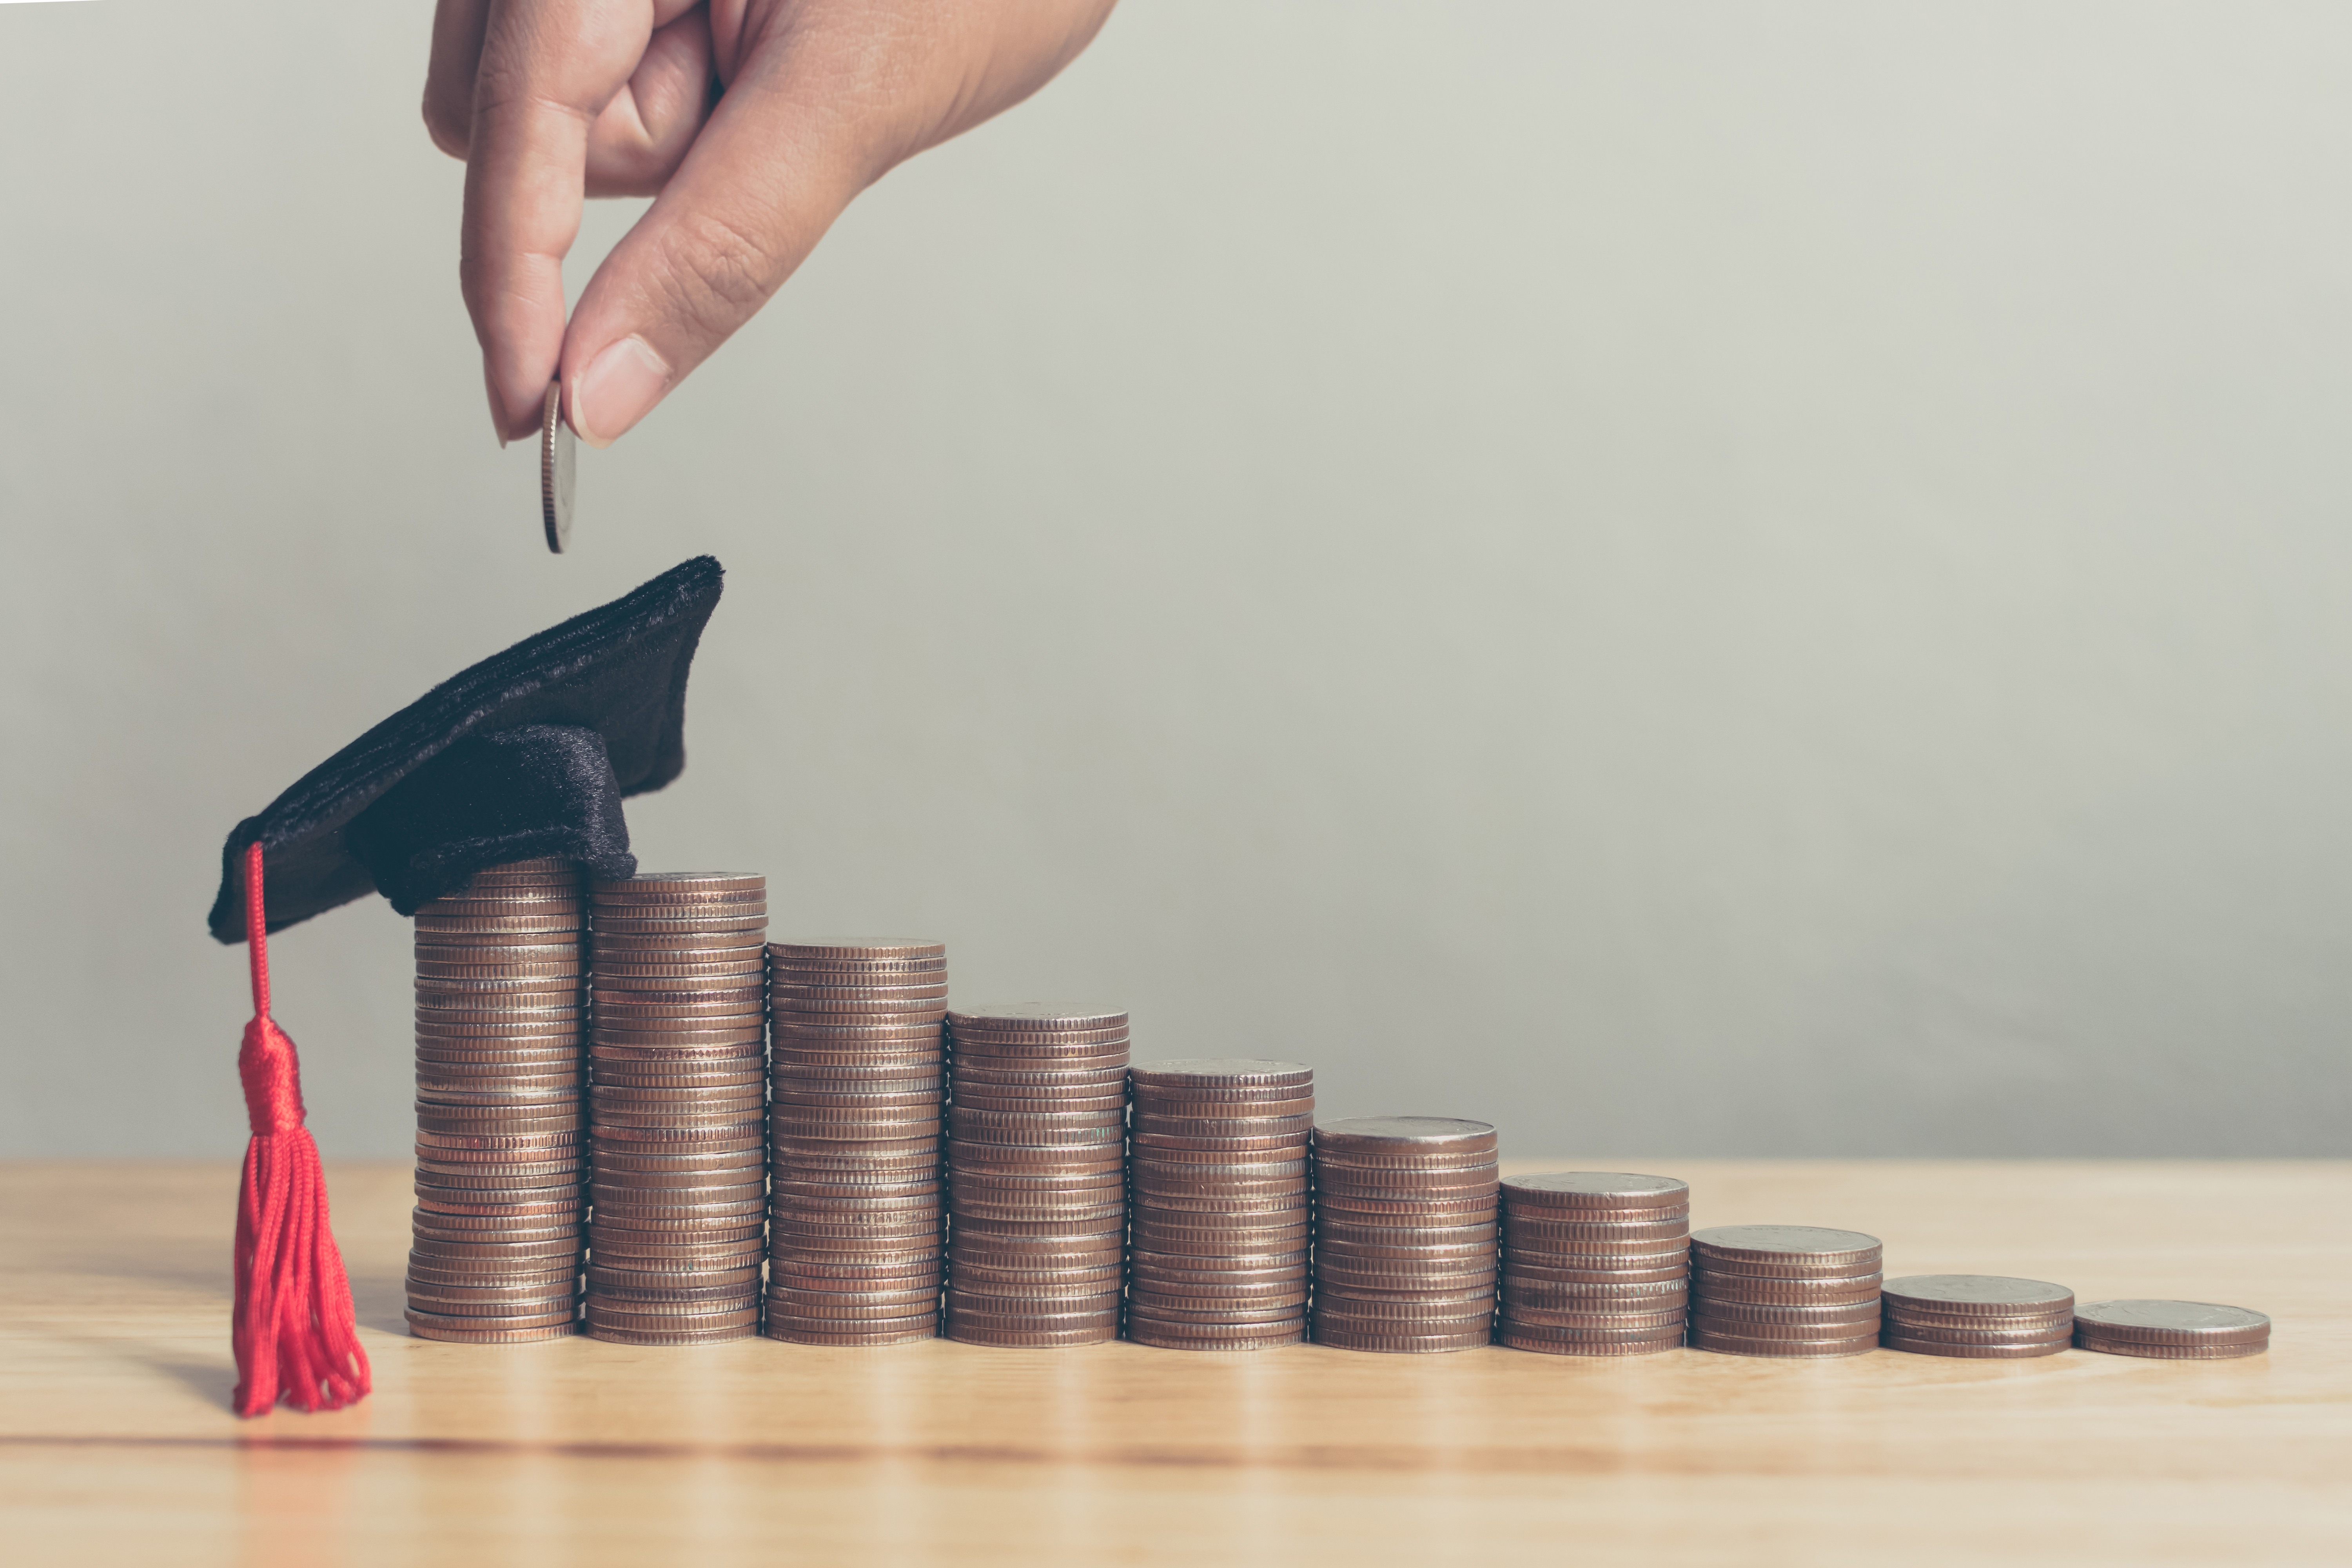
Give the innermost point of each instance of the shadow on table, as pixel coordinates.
(212, 1381)
(200, 1272)
(378, 1300)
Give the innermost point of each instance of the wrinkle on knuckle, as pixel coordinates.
(716, 274)
(501, 89)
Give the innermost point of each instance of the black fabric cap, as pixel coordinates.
(526, 754)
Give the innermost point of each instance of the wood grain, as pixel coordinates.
(116, 1445)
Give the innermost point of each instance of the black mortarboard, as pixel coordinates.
(528, 754)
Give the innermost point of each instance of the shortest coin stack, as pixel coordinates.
(1983, 1317)
(1784, 1291)
(1405, 1234)
(2172, 1330)
(1594, 1263)
(1218, 1172)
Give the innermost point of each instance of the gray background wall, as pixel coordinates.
(1702, 579)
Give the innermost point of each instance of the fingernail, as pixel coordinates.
(619, 389)
(497, 409)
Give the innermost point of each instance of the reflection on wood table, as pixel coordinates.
(116, 1445)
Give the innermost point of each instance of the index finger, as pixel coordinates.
(548, 69)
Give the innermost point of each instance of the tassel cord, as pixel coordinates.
(293, 1330)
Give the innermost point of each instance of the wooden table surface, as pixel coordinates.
(116, 1445)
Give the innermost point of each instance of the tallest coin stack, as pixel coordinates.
(497, 1252)
(677, 1135)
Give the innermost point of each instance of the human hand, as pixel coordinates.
(553, 100)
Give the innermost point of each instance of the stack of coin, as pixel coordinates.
(499, 1024)
(1784, 1291)
(859, 1085)
(2172, 1330)
(1217, 1258)
(1405, 1234)
(677, 1133)
(1036, 1175)
(1594, 1263)
(1983, 1317)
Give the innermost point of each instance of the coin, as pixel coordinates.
(1534, 1340)
(1538, 1268)
(1654, 1336)
(1588, 1237)
(1732, 1271)
(2025, 1350)
(1800, 1245)
(499, 1174)
(442, 1200)
(1936, 1323)
(1366, 1162)
(2175, 1324)
(558, 461)
(516, 1034)
(1375, 1181)
(533, 901)
(1737, 1344)
(1744, 1287)
(1394, 1135)
(793, 1331)
(542, 925)
(973, 1334)
(690, 944)
(1703, 1315)
(2151, 1350)
(891, 947)
(673, 1044)
(616, 1316)
(681, 884)
(428, 1329)
(880, 972)
(1209, 1076)
(503, 1301)
(1033, 1017)
(1833, 1320)
(1016, 1043)
(970, 1099)
(620, 1336)
(1156, 1233)
(1395, 1344)
(1597, 1189)
(2062, 1334)
(1143, 1331)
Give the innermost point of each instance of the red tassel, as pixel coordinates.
(293, 1328)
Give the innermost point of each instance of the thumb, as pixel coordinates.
(767, 176)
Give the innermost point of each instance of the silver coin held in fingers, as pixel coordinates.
(558, 460)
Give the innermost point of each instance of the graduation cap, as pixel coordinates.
(528, 754)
